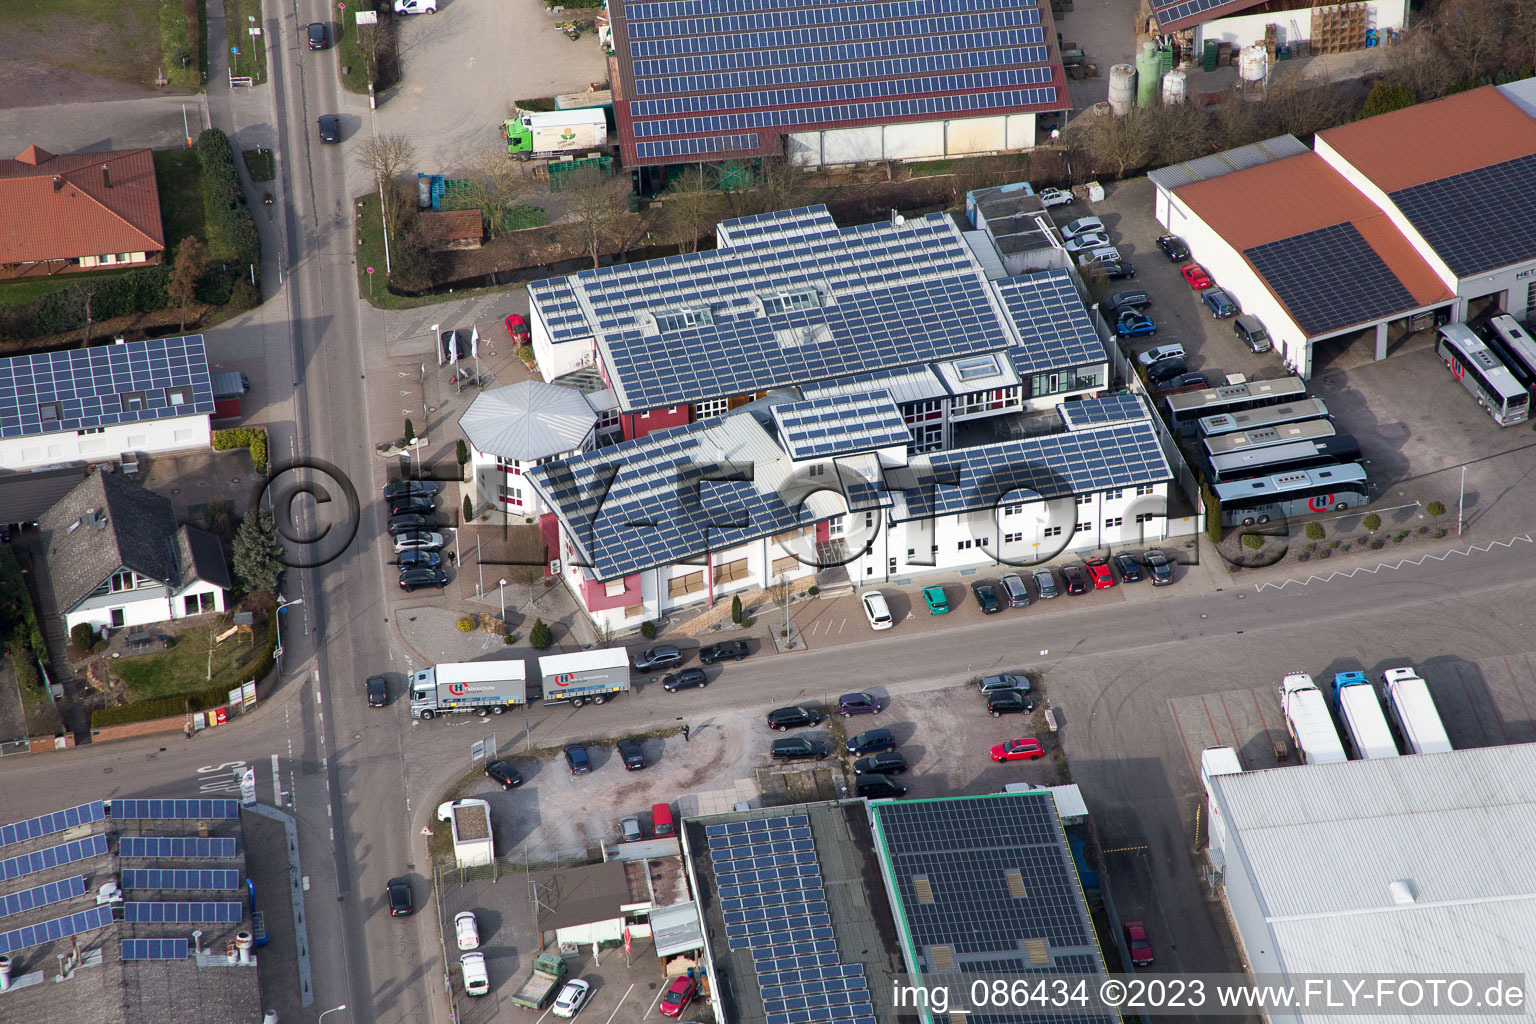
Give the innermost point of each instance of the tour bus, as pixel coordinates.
(1186, 410)
(1272, 416)
(1481, 372)
(1289, 495)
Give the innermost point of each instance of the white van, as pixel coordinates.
(877, 611)
(476, 981)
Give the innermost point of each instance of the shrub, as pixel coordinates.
(813, 590)
(82, 638)
(736, 609)
(1325, 553)
(469, 509)
(1252, 541)
(1303, 556)
(219, 516)
(509, 639)
(226, 197)
(461, 452)
(410, 430)
(257, 553)
(253, 438)
(1371, 522)
(1212, 513)
(1315, 532)
(1386, 97)
(467, 624)
(1378, 543)
(171, 639)
(1434, 508)
(163, 707)
(540, 636)
(648, 629)
(135, 291)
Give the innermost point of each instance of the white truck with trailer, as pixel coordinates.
(584, 677)
(1216, 761)
(1412, 710)
(540, 134)
(1308, 721)
(1364, 725)
(465, 687)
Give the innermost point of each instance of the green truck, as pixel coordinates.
(547, 977)
(535, 135)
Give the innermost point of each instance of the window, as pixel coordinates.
(122, 580)
(817, 470)
(789, 302)
(964, 545)
(1084, 499)
(1145, 517)
(190, 603)
(1051, 531)
(911, 552)
(613, 588)
(1115, 495)
(784, 566)
(509, 495)
(1142, 489)
(1012, 538)
(835, 527)
(118, 618)
(710, 408)
(1084, 527)
(1013, 510)
(132, 401)
(178, 396)
(984, 542)
(869, 520)
(90, 430)
(680, 319)
(731, 571)
(1045, 384)
(1110, 524)
(679, 586)
(50, 412)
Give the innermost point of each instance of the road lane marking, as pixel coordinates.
(1348, 573)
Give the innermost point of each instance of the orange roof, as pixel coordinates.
(87, 211)
(1435, 140)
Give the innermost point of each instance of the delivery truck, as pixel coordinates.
(1364, 725)
(538, 134)
(1308, 721)
(548, 973)
(478, 687)
(584, 676)
(1412, 710)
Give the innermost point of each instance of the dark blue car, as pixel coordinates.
(871, 742)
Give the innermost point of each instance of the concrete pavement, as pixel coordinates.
(155, 122)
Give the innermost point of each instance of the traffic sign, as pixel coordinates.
(370, 270)
(235, 50)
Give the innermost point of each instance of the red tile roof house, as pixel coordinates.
(84, 211)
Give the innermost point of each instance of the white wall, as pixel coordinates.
(971, 135)
(557, 360)
(488, 476)
(966, 136)
(141, 607)
(1246, 29)
(915, 140)
(146, 438)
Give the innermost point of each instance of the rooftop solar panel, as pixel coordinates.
(1092, 412)
(53, 856)
(1444, 212)
(180, 879)
(198, 847)
(58, 928)
(155, 949)
(842, 424)
(42, 895)
(56, 821)
(183, 913)
(214, 810)
(1304, 271)
(1047, 315)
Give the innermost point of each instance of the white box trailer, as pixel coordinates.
(1364, 725)
(583, 677)
(1413, 711)
(1308, 721)
(1216, 761)
(478, 687)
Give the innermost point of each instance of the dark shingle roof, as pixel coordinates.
(201, 557)
(120, 524)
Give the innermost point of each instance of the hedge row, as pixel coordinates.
(134, 291)
(253, 438)
(226, 196)
(160, 707)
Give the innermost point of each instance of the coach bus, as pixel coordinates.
(1264, 437)
(1272, 416)
(1281, 458)
(1288, 495)
(1515, 347)
(1481, 372)
(1185, 411)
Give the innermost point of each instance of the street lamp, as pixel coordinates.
(283, 604)
(417, 450)
(502, 587)
(333, 1009)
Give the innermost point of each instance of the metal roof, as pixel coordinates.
(676, 929)
(839, 424)
(715, 79)
(1218, 164)
(1047, 315)
(1322, 844)
(907, 384)
(529, 420)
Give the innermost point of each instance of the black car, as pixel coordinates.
(735, 649)
(401, 902)
(871, 741)
(1118, 270)
(453, 343)
(576, 756)
(1160, 568)
(411, 523)
(1183, 380)
(792, 717)
(1009, 702)
(1173, 247)
(660, 656)
(1130, 569)
(330, 128)
(504, 773)
(878, 787)
(1077, 579)
(409, 488)
(318, 37)
(798, 748)
(887, 762)
(1166, 369)
(986, 598)
(416, 579)
(378, 691)
(632, 753)
(684, 679)
(415, 505)
(420, 559)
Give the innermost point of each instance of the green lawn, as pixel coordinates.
(252, 59)
(259, 164)
(183, 207)
(370, 253)
(184, 668)
(124, 40)
(28, 290)
(183, 43)
(349, 58)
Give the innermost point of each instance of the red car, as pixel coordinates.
(517, 327)
(1102, 575)
(1138, 943)
(1017, 750)
(1195, 274)
(679, 994)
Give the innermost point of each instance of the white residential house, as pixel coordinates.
(515, 428)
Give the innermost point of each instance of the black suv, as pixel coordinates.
(409, 488)
(1077, 579)
(791, 717)
(736, 649)
(686, 679)
(986, 598)
(504, 773)
(330, 128)
(378, 691)
(401, 902)
(317, 36)
(1009, 702)
(1130, 569)
(1173, 247)
(632, 753)
(878, 787)
(887, 762)
(413, 505)
(871, 741)
(1159, 566)
(798, 748)
(660, 656)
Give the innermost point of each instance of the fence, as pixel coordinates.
(236, 81)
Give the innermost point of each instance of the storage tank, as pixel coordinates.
(1174, 88)
(1122, 88)
(1252, 64)
(1149, 71)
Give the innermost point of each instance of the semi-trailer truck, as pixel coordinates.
(1308, 721)
(1364, 725)
(1412, 710)
(584, 677)
(536, 134)
(478, 687)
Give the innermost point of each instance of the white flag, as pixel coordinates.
(453, 348)
(474, 343)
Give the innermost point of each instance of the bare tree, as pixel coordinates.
(1126, 140)
(1418, 62)
(191, 264)
(85, 297)
(1471, 33)
(688, 209)
(1181, 132)
(1237, 123)
(598, 203)
(386, 156)
(368, 41)
(781, 185)
(498, 185)
(1292, 108)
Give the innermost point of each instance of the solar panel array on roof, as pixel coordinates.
(58, 928)
(47, 824)
(1330, 278)
(736, 75)
(175, 846)
(769, 884)
(856, 422)
(52, 857)
(155, 949)
(1438, 210)
(1053, 327)
(215, 810)
(183, 913)
(180, 879)
(82, 389)
(42, 895)
(1092, 412)
(1183, 13)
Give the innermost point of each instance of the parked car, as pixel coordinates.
(573, 996)
(377, 688)
(504, 773)
(1117, 270)
(935, 599)
(1173, 247)
(1050, 197)
(1083, 226)
(1086, 241)
(413, 505)
(886, 762)
(1045, 583)
(798, 748)
(330, 128)
(1099, 254)
(1159, 566)
(1166, 369)
(1004, 681)
(1195, 274)
(1133, 324)
(632, 753)
(1099, 571)
(517, 328)
(1130, 569)
(319, 38)
(877, 611)
(419, 559)
(408, 488)
(411, 524)
(415, 6)
(397, 891)
(466, 931)
(1009, 702)
(986, 598)
(630, 829)
(660, 656)
(678, 995)
(878, 787)
(1023, 749)
(1182, 380)
(454, 342)
(1077, 580)
(792, 717)
(1157, 353)
(1219, 303)
(477, 981)
(871, 741)
(1132, 298)
(577, 757)
(1250, 331)
(419, 578)
(735, 650)
(1015, 590)
(685, 679)
(418, 540)
(858, 704)
(1137, 942)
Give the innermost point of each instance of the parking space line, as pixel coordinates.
(1237, 739)
(1205, 702)
(1182, 739)
(622, 998)
(1471, 705)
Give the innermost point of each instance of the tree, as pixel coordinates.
(1315, 531)
(461, 452)
(1296, 109)
(1386, 97)
(1418, 63)
(736, 609)
(1237, 123)
(258, 555)
(498, 185)
(540, 636)
(469, 509)
(1181, 132)
(597, 202)
(368, 41)
(384, 157)
(781, 185)
(1471, 34)
(191, 264)
(82, 637)
(83, 297)
(688, 209)
(410, 430)
(1125, 140)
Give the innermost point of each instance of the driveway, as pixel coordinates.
(153, 122)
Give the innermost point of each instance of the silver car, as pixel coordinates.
(1045, 582)
(418, 541)
(631, 829)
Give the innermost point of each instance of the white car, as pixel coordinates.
(571, 998)
(1104, 254)
(415, 6)
(420, 541)
(476, 981)
(467, 930)
(1091, 240)
(1161, 352)
(1083, 226)
(1050, 197)
(877, 611)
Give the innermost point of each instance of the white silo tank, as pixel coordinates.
(1252, 64)
(1174, 88)
(1122, 88)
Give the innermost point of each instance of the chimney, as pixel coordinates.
(243, 942)
(197, 941)
(106, 178)
(5, 973)
(58, 184)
